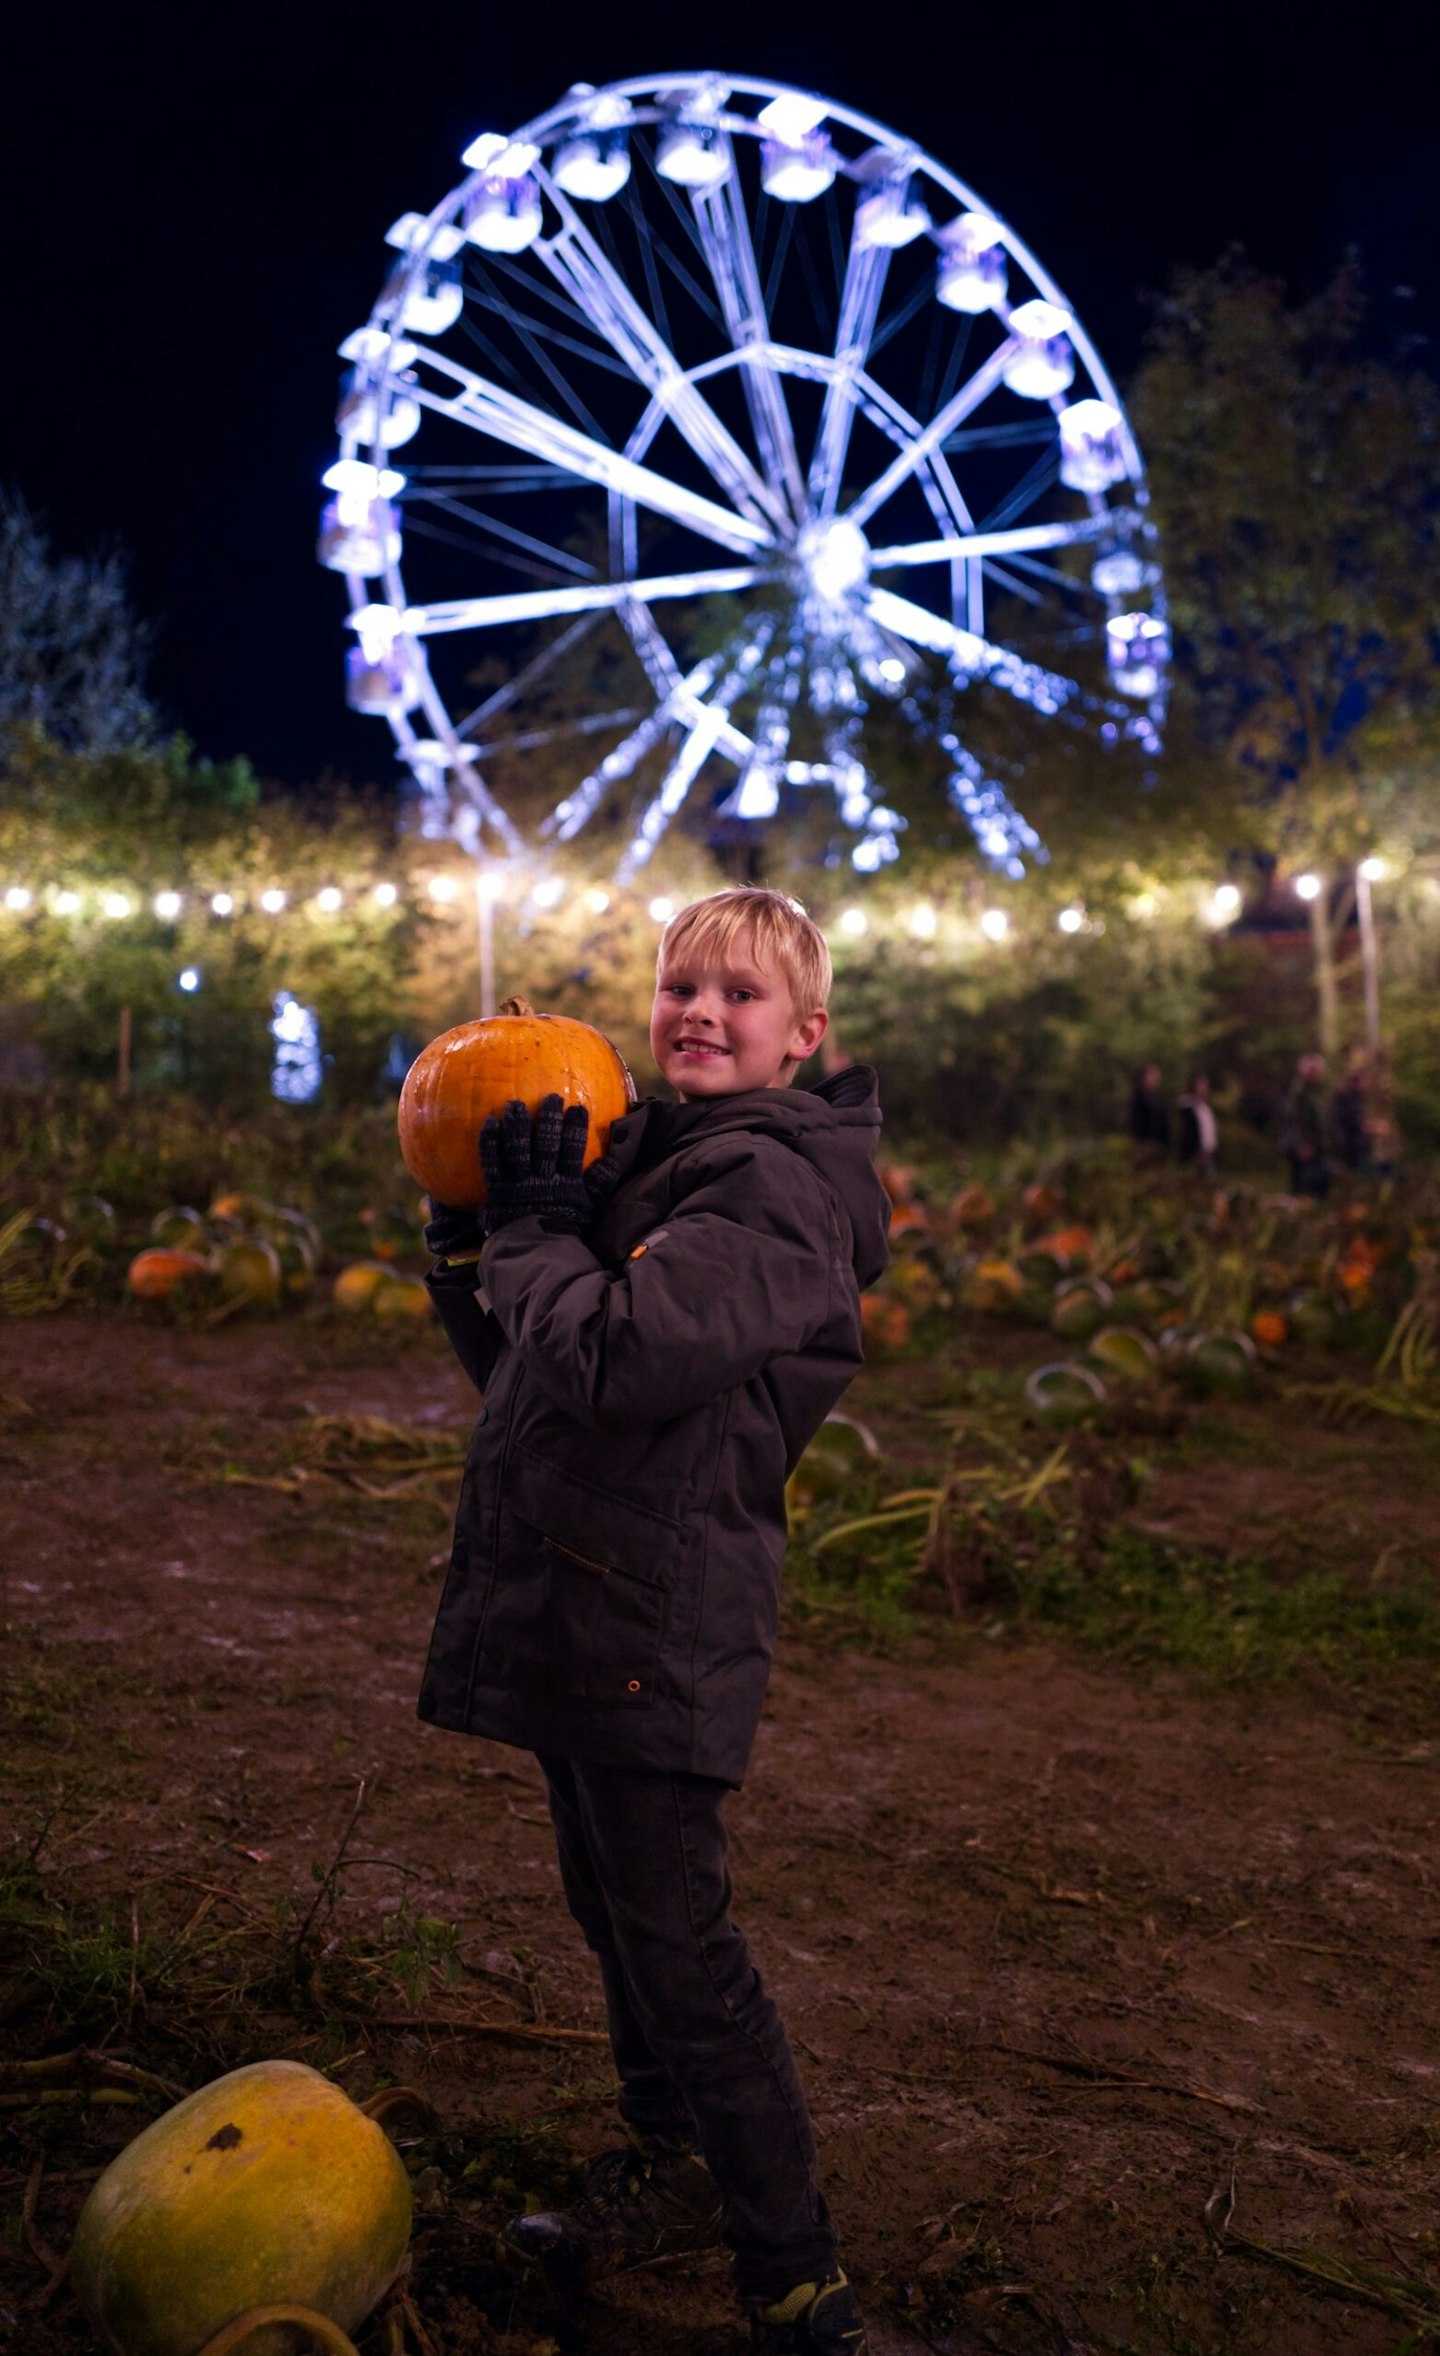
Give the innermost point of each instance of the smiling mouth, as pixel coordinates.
(699, 1047)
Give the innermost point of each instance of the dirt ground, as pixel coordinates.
(1116, 1997)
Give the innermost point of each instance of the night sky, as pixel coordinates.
(195, 219)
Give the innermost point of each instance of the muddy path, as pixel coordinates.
(1116, 1998)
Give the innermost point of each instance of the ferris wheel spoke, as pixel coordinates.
(541, 605)
(974, 657)
(975, 544)
(730, 253)
(472, 400)
(577, 261)
(684, 703)
(707, 725)
(520, 681)
(931, 437)
(863, 291)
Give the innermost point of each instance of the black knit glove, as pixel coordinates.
(454, 1234)
(536, 1166)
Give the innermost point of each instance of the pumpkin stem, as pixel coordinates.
(254, 2319)
(397, 2098)
(516, 1006)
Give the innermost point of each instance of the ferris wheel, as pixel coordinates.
(746, 380)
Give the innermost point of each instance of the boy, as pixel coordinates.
(656, 1343)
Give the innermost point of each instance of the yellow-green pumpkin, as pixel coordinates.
(267, 2187)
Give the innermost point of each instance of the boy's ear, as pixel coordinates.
(808, 1033)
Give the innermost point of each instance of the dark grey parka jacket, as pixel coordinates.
(647, 1388)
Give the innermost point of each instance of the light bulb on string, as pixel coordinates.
(223, 904)
(1309, 887)
(272, 901)
(995, 924)
(385, 895)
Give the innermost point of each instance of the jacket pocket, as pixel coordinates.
(581, 1596)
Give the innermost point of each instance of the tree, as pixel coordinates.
(1297, 486)
(72, 652)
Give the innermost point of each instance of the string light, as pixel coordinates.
(597, 900)
(1071, 920)
(854, 921)
(662, 910)
(189, 979)
(66, 903)
(385, 895)
(17, 898)
(923, 922)
(995, 924)
(168, 906)
(444, 888)
(223, 904)
(272, 901)
(114, 904)
(1309, 887)
(550, 892)
(1374, 870)
(1225, 903)
(330, 899)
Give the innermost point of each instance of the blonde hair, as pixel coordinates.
(777, 928)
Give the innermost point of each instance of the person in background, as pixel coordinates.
(1198, 1134)
(1304, 1129)
(1382, 1129)
(1149, 1115)
(1349, 1112)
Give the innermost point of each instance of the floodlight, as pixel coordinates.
(1091, 453)
(1042, 363)
(971, 274)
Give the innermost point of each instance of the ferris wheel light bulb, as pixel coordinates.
(1118, 572)
(797, 174)
(594, 165)
(503, 215)
(693, 155)
(972, 273)
(758, 795)
(1092, 455)
(1042, 362)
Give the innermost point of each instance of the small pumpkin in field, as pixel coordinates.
(1269, 1329)
(993, 1287)
(249, 1271)
(1219, 1362)
(974, 1206)
(1039, 1205)
(269, 2187)
(1081, 1308)
(884, 1321)
(355, 1287)
(466, 1074)
(1063, 1393)
(162, 1271)
(400, 1300)
(178, 1225)
(1121, 1351)
(1073, 1247)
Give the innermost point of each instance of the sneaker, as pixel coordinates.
(817, 2319)
(638, 2207)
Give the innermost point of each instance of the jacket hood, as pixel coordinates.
(834, 1126)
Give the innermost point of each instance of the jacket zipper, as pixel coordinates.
(586, 1561)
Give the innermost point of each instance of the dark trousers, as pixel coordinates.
(699, 2047)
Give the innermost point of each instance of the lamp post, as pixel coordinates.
(488, 889)
(1369, 871)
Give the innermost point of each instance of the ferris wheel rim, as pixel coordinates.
(769, 531)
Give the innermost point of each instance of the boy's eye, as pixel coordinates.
(742, 994)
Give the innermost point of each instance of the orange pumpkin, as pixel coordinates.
(908, 1218)
(1073, 1247)
(972, 1207)
(1039, 1204)
(475, 1070)
(157, 1274)
(884, 1321)
(1268, 1328)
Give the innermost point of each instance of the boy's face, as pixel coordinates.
(723, 1022)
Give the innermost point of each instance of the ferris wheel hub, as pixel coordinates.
(833, 557)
